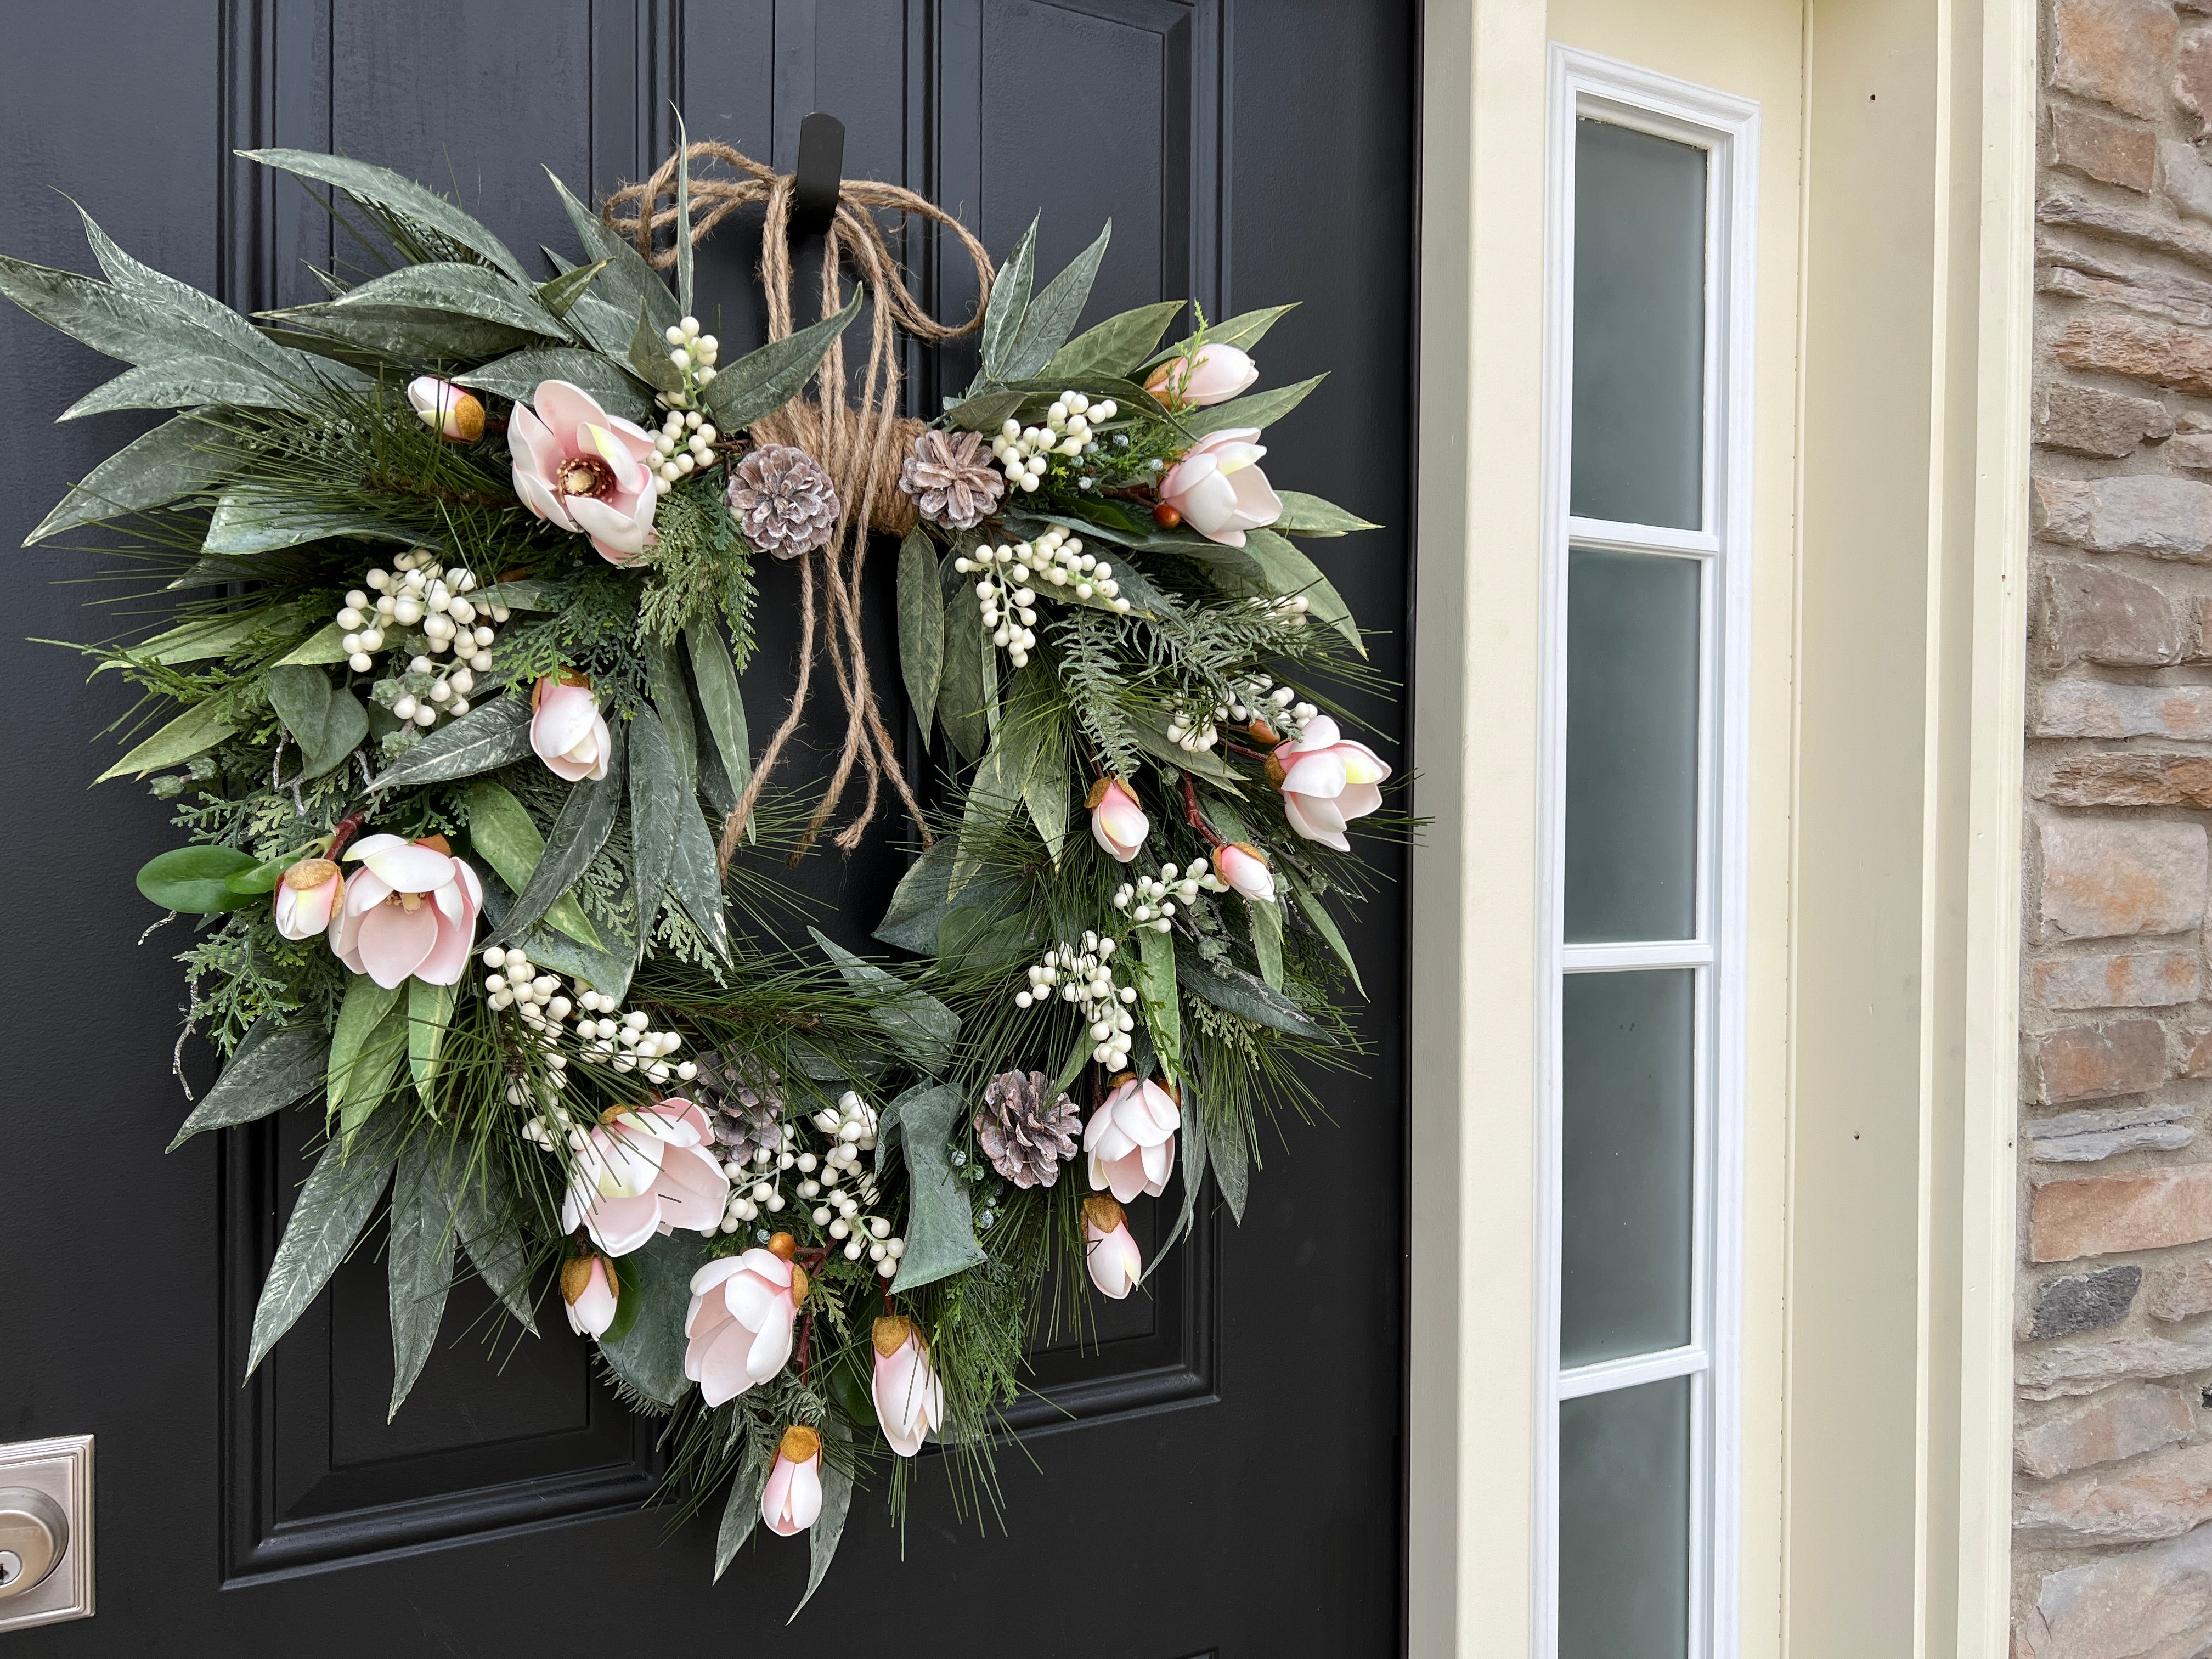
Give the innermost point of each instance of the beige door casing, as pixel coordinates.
(1892, 370)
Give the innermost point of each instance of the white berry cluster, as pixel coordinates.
(693, 355)
(1145, 901)
(422, 595)
(1085, 977)
(1192, 730)
(1009, 603)
(685, 441)
(1026, 451)
(837, 1183)
(625, 1042)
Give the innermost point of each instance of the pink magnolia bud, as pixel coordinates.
(792, 1497)
(1118, 823)
(1109, 1251)
(592, 1291)
(1244, 867)
(455, 411)
(1218, 488)
(306, 897)
(567, 729)
(1213, 374)
(909, 1400)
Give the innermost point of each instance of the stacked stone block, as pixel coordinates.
(2113, 1539)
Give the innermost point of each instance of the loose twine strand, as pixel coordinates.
(862, 448)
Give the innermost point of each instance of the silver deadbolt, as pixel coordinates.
(33, 1535)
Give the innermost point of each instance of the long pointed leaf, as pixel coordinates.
(828, 1528)
(397, 194)
(741, 1513)
(1116, 346)
(1260, 409)
(180, 457)
(272, 1069)
(1052, 315)
(419, 1264)
(920, 626)
(1009, 304)
(761, 382)
(715, 676)
(518, 375)
(485, 738)
(940, 1233)
(573, 841)
(630, 281)
(918, 1025)
(198, 729)
(430, 1012)
(335, 1205)
(486, 1216)
(657, 799)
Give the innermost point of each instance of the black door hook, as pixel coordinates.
(820, 172)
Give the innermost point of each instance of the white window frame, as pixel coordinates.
(1726, 128)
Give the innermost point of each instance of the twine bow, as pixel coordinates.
(862, 447)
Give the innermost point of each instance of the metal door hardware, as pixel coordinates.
(45, 1531)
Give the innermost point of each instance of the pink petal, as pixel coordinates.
(688, 1114)
(633, 436)
(394, 940)
(530, 444)
(1321, 774)
(1257, 504)
(771, 1349)
(720, 1371)
(619, 1225)
(566, 409)
(1316, 820)
(409, 868)
(617, 535)
(540, 499)
(776, 1497)
(449, 958)
(1358, 800)
(1320, 733)
(713, 1273)
(805, 1493)
(693, 1190)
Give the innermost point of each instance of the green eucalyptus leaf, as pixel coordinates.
(919, 1026)
(501, 828)
(327, 722)
(918, 901)
(1266, 922)
(187, 381)
(761, 382)
(518, 375)
(399, 195)
(1232, 1165)
(565, 291)
(741, 1513)
(573, 841)
(967, 688)
(682, 217)
(251, 518)
(272, 1069)
(648, 354)
(629, 282)
(829, 1526)
(1259, 408)
(1053, 312)
(715, 677)
(1243, 331)
(262, 878)
(1288, 571)
(199, 638)
(672, 702)
(462, 289)
(1045, 792)
(325, 645)
(1312, 908)
(419, 1260)
(1310, 515)
(921, 625)
(430, 1012)
(1154, 975)
(1248, 998)
(1009, 304)
(198, 729)
(196, 880)
(940, 1230)
(487, 1215)
(1116, 346)
(336, 1204)
(392, 336)
(181, 457)
(167, 295)
(651, 1358)
(365, 1046)
(489, 735)
(657, 801)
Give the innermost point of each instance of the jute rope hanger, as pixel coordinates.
(862, 447)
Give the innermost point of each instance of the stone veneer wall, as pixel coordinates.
(2112, 1491)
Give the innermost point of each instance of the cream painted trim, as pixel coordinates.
(2003, 372)
(1475, 620)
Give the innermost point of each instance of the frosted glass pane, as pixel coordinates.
(1624, 1224)
(1625, 1523)
(1639, 327)
(1631, 746)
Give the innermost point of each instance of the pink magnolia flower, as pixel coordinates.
(1131, 1139)
(909, 1400)
(567, 728)
(738, 1325)
(1327, 781)
(305, 897)
(583, 469)
(456, 412)
(643, 1170)
(1244, 867)
(1109, 1250)
(592, 1293)
(412, 910)
(1218, 490)
(1118, 823)
(792, 1497)
(1213, 375)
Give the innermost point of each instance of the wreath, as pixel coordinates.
(483, 865)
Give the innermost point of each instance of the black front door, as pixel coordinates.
(1221, 1474)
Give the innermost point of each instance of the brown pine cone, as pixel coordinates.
(951, 478)
(785, 503)
(1026, 1137)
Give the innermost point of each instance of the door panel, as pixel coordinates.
(1220, 1465)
